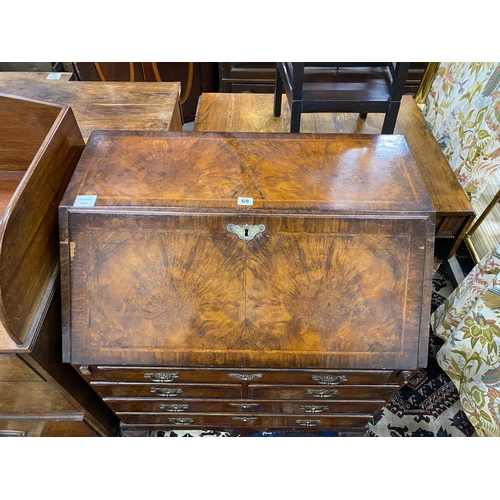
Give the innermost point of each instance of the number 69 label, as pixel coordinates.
(245, 201)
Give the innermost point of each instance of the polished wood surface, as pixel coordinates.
(194, 77)
(324, 236)
(254, 113)
(105, 105)
(319, 303)
(40, 146)
(46, 428)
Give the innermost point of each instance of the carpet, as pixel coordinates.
(427, 406)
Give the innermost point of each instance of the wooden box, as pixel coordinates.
(245, 266)
(40, 145)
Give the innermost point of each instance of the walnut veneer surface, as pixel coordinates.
(254, 113)
(248, 276)
(104, 105)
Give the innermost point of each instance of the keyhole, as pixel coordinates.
(246, 232)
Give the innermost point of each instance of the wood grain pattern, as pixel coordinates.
(157, 280)
(313, 172)
(13, 369)
(254, 113)
(46, 428)
(105, 105)
(28, 230)
(41, 144)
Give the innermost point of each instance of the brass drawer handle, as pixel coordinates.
(8, 433)
(174, 408)
(166, 393)
(313, 408)
(246, 233)
(245, 419)
(161, 377)
(181, 421)
(245, 377)
(322, 393)
(308, 423)
(329, 379)
(244, 406)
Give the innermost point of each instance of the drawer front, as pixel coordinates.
(14, 369)
(31, 398)
(242, 406)
(41, 428)
(214, 375)
(192, 420)
(313, 392)
(168, 391)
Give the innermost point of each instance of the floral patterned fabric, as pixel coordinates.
(463, 111)
(469, 323)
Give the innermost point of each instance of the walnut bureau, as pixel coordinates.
(245, 281)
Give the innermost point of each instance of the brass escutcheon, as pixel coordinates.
(246, 232)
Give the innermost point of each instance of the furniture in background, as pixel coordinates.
(259, 77)
(194, 77)
(103, 105)
(39, 395)
(462, 110)
(210, 303)
(468, 323)
(315, 87)
(219, 112)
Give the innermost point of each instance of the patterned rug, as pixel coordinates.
(428, 406)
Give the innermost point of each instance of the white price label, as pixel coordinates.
(245, 201)
(85, 200)
(54, 76)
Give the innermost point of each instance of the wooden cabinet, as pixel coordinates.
(194, 77)
(247, 77)
(260, 77)
(39, 394)
(245, 276)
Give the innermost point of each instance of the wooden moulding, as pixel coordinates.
(40, 145)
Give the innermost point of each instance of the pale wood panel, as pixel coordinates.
(105, 105)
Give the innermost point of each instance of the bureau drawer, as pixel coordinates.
(225, 375)
(150, 405)
(45, 428)
(168, 391)
(32, 398)
(312, 392)
(248, 420)
(14, 369)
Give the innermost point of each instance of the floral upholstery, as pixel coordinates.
(469, 323)
(463, 111)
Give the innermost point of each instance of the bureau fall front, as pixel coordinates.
(244, 280)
